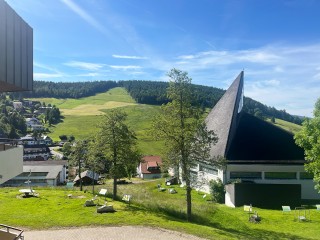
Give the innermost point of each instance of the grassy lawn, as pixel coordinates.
(54, 209)
(290, 127)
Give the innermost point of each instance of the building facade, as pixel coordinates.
(16, 74)
(257, 152)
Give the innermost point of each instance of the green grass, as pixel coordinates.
(288, 126)
(149, 207)
(82, 116)
(116, 95)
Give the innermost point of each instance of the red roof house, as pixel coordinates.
(150, 167)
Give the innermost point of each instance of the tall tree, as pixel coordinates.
(78, 157)
(118, 143)
(182, 128)
(309, 139)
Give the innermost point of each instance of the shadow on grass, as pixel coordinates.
(242, 232)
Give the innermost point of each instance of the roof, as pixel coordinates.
(223, 117)
(46, 163)
(88, 174)
(52, 171)
(151, 162)
(243, 138)
(259, 141)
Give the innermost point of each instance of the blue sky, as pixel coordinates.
(276, 42)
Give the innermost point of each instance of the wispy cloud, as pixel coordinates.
(85, 15)
(286, 77)
(51, 72)
(41, 76)
(128, 57)
(85, 65)
(127, 67)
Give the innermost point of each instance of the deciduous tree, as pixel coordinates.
(309, 139)
(181, 127)
(78, 157)
(118, 143)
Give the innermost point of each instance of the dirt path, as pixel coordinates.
(108, 233)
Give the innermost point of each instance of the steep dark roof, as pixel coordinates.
(223, 117)
(243, 138)
(257, 140)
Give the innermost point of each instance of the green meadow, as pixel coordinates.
(82, 116)
(53, 208)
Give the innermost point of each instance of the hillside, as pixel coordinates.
(81, 117)
(152, 93)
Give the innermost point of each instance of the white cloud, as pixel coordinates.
(40, 76)
(127, 67)
(84, 15)
(85, 65)
(128, 57)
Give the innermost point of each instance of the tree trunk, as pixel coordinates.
(114, 188)
(93, 183)
(80, 179)
(188, 201)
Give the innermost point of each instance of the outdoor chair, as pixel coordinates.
(103, 192)
(248, 209)
(127, 198)
(318, 207)
(302, 214)
(286, 209)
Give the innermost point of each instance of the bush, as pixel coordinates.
(217, 191)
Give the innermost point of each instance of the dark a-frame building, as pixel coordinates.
(259, 154)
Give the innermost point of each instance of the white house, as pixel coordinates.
(150, 167)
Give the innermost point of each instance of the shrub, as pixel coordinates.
(217, 191)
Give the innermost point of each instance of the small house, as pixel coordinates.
(150, 167)
(87, 177)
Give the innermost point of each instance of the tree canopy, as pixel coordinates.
(181, 127)
(118, 145)
(309, 139)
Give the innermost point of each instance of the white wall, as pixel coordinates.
(307, 185)
(11, 162)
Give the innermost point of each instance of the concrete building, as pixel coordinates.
(16, 74)
(16, 51)
(257, 152)
(11, 157)
(41, 173)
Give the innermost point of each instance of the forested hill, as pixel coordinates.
(69, 89)
(151, 92)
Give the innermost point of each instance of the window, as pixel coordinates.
(208, 169)
(245, 175)
(280, 175)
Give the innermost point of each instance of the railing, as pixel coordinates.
(6, 232)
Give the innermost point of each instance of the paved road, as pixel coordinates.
(55, 153)
(108, 233)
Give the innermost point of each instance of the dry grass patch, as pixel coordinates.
(94, 109)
